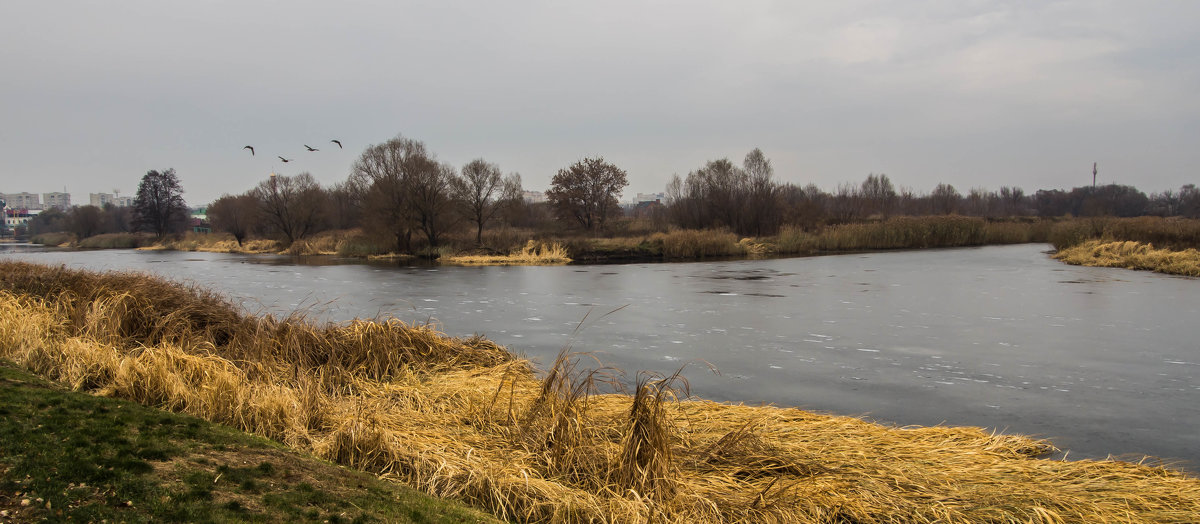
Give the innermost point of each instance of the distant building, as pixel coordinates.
(198, 220)
(22, 200)
(534, 197)
(57, 200)
(16, 217)
(100, 199)
(649, 197)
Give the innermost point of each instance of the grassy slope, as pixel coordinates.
(72, 456)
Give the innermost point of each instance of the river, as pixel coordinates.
(1100, 361)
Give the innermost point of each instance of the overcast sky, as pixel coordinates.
(970, 93)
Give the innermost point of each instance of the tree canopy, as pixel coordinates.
(159, 207)
(587, 192)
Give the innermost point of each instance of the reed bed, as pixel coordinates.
(53, 239)
(693, 243)
(462, 418)
(1173, 233)
(1132, 255)
(214, 243)
(115, 241)
(908, 233)
(532, 254)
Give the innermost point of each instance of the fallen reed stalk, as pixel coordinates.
(462, 418)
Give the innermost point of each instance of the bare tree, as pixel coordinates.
(159, 206)
(1189, 201)
(85, 221)
(345, 204)
(587, 192)
(945, 199)
(386, 174)
(483, 192)
(431, 201)
(117, 219)
(878, 194)
(1012, 201)
(762, 204)
(291, 204)
(846, 205)
(235, 215)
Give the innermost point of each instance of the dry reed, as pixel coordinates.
(693, 243)
(908, 233)
(532, 254)
(461, 418)
(1132, 255)
(1173, 233)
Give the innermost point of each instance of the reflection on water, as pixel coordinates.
(1099, 360)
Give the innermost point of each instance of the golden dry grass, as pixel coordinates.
(533, 254)
(1132, 255)
(461, 418)
(908, 233)
(699, 243)
(215, 243)
(324, 243)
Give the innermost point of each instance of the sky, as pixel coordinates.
(976, 94)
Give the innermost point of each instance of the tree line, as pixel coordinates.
(401, 195)
(745, 199)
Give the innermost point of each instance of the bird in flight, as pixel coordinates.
(310, 148)
(251, 148)
(285, 159)
(338, 142)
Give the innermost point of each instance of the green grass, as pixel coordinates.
(69, 456)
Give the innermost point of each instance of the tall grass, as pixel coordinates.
(1132, 255)
(53, 239)
(908, 233)
(532, 254)
(214, 243)
(1167, 233)
(462, 418)
(693, 243)
(116, 241)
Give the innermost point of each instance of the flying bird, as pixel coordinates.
(310, 148)
(338, 142)
(251, 148)
(285, 159)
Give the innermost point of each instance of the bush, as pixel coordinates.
(115, 241)
(52, 239)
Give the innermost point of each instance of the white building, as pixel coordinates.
(22, 200)
(100, 199)
(650, 197)
(57, 200)
(534, 197)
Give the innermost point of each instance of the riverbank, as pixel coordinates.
(523, 247)
(513, 247)
(1163, 245)
(463, 418)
